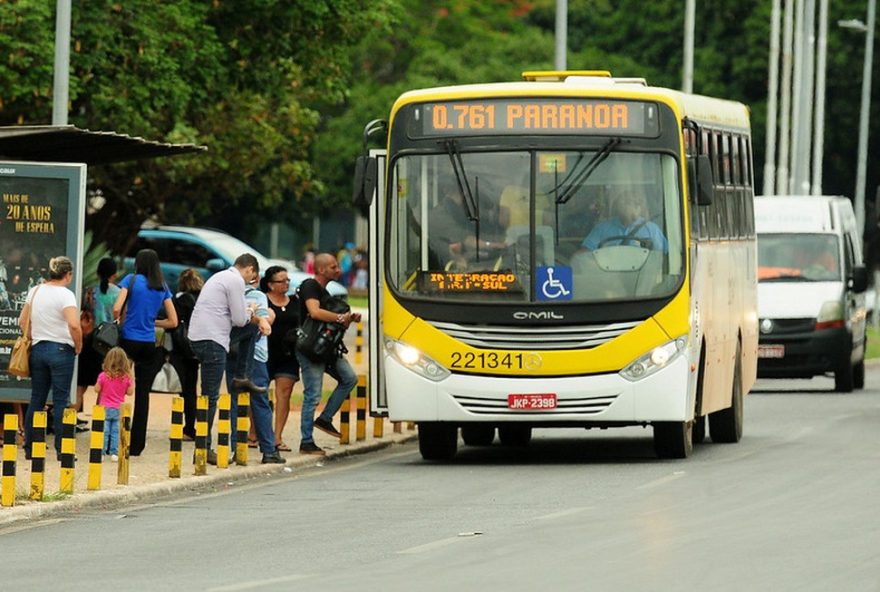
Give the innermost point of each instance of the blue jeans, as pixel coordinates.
(242, 341)
(111, 430)
(212, 358)
(261, 409)
(52, 366)
(313, 385)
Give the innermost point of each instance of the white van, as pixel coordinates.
(811, 289)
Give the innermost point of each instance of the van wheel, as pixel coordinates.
(478, 434)
(726, 425)
(844, 379)
(673, 439)
(859, 375)
(515, 435)
(438, 441)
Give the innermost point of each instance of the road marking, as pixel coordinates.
(41, 523)
(662, 480)
(253, 584)
(563, 513)
(433, 545)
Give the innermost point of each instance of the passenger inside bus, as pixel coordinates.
(452, 238)
(629, 226)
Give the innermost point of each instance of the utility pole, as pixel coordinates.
(784, 133)
(687, 83)
(62, 63)
(819, 121)
(772, 91)
(561, 34)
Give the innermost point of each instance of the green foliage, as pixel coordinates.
(92, 253)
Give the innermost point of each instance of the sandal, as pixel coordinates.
(253, 443)
(282, 447)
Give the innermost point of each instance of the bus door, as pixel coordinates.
(376, 240)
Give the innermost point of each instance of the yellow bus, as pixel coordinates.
(570, 250)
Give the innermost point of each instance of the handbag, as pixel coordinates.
(106, 337)
(108, 333)
(20, 358)
(180, 342)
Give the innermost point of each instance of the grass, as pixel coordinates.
(873, 343)
(357, 301)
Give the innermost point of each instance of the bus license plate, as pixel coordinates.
(771, 351)
(532, 401)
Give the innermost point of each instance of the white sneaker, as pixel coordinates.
(114, 458)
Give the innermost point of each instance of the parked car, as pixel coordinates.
(208, 251)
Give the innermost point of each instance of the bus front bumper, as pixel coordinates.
(593, 399)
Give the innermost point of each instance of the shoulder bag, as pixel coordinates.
(107, 334)
(20, 358)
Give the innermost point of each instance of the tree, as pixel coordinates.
(245, 78)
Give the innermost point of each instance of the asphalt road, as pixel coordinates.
(793, 506)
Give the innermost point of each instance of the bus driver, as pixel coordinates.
(629, 226)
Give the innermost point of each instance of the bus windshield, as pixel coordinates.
(798, 257)
(536, 226)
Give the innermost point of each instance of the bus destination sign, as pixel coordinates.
(477, 281)
(561, 116)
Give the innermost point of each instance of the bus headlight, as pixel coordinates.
(415, 360)
(654, 360)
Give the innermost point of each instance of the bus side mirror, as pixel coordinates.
(366, 171)
(699, 171)
(860, 279)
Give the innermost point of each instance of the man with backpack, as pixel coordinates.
(317, 304)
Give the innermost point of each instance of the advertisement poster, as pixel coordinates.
(43, 216)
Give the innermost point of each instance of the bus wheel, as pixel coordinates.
(859, 375)
(437, 441)
(844, 379)
(478, 434)
(673, 439)
(726, 425)
(699, 429)
(515, 435)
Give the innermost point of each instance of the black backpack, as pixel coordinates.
(183, 305)
(321, 341)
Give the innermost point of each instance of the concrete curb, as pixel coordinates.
(117, 498)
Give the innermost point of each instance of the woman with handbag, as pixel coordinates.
(52, 315)
(100, 308)
(143, 294)
(283, 367)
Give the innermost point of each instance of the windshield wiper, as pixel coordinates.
(581, 174)
(471, 200)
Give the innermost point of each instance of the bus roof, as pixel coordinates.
(702, 109)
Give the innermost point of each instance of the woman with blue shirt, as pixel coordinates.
(142, 295)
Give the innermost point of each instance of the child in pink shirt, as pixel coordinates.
(114, 384)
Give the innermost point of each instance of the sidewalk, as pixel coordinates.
(148, 473)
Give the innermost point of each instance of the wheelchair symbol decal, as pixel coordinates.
(553, 283)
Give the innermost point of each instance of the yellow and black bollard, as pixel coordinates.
(224, 404)
(38, 456)
(124, 443)
(345, 421)
(175, 438)
(361, 416)
(359, 343)
(10, 455)
(200, 456)
(378, 426)
(242, 423)
(96, 447)
(68, 450)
